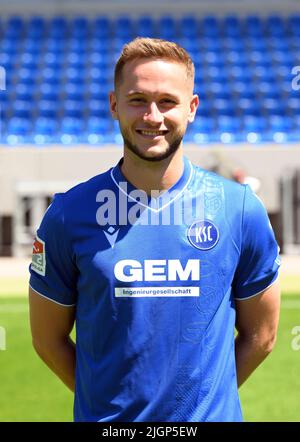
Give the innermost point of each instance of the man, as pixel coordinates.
(157, 261)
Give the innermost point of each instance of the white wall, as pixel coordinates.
(71, 165)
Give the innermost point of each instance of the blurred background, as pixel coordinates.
(56, 69)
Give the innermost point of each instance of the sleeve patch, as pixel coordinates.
(38, 263)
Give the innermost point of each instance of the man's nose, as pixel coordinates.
(153, 114)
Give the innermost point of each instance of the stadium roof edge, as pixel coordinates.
(157, 8)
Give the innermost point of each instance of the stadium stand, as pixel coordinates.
(59, 71)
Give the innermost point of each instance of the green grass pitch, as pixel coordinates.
(30, 392)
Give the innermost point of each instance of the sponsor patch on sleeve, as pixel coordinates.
(38, 263)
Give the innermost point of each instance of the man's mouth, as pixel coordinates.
(151, 133)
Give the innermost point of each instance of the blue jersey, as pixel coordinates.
(154, 280)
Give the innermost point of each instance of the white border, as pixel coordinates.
(252, 296)
(50, 299)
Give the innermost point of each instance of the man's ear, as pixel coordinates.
(194, 103)
(113, 105)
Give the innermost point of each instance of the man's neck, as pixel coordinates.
(152, 175)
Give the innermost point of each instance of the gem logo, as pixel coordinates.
(203, 235)
(131, 270)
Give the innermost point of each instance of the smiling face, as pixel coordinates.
(154, 103)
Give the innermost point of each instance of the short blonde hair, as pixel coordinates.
(153, 48)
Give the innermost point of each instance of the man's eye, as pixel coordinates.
(168, 101)
(136, 100)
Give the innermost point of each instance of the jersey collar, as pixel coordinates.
(164, 200)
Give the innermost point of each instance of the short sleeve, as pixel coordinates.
(53, 273)
(259, 260)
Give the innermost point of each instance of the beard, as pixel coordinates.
(170, 149)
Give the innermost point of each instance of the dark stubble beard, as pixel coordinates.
(173, 147)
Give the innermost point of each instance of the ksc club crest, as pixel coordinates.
(203, 235)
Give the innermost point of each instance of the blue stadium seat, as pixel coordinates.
(253, 25)
(209, 26)
(227, 123)
(239, 74)
(248, 106)
(279, 123)
(73, 90)
(7, 63)
(214, 59)
(17, 130)
(219, 89)
(233, 44)
(243, 89)
(124, 27)
(45, 130)
(273, 106)
(98, 130)
(293, 104)
(205, 107)
(14, 28)
(260, 59)
(37, 22)
(29, 61)
(201, 130)
(4, 107)
(188, 27)
(253, 123)
(58, 28)
(58, 21)
(223, 106)
(98, 58)
(212, 43)
(282, 57)
(49, 90)
(261, 73)
(70, 130)
(25, 91)
(214, 73)
(231, 26)
(15, 22)
(252, 128)
(293, 24)
(75, 74)
(95, 90)
(36, 28)
(98, 108)
(53, 60)
(279, 128)
(267, 89)
(102, 27)
(100, 74)
(145, 26)
(101, 44)
(48, 108)
(10, 46)
(50, 74)
(22, 108)
(167, 27)
(78, 45)
(73, 108)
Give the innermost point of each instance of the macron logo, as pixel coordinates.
(111, 235)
